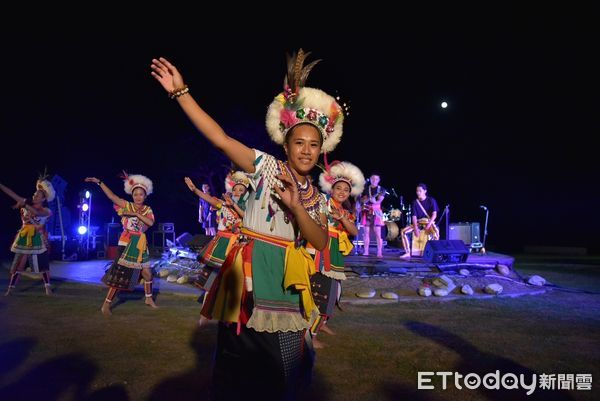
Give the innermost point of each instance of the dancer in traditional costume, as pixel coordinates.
(31, 242)
(342, 182)
(229, 218)
(133, 257)
(262, 295)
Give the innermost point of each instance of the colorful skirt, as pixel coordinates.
(29, 241)
(213, 255)
(330, 261)
(121, 277)
(264, 284)
(135, 254)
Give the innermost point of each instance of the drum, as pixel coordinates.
(418, 243)
(392, 231)
(395, 214)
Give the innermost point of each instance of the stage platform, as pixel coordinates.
(392, 263)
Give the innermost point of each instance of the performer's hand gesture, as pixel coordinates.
(336, 214)
(228, 200)
(19, 204)
(92, 179)
(428, 226)
(190, 184)
(289, 195)
(166, 74)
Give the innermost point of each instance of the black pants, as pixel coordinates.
(259, 365)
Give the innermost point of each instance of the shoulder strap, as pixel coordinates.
(423, 209)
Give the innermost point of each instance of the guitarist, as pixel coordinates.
(371, 214)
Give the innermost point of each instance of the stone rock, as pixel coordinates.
(424, 291)
(366, 294)
(171, 278)
(503, 269)
(466, 289)
(440, 292)
(444, 282)
(464, 272)
(537, 280)
(493, 289)
(183, 279)
(164, 273)
(389, 295)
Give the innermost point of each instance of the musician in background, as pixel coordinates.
(207, 215)
(371, 214)
(424, 212)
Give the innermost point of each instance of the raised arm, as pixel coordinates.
(172, 81)
(21, 202)
(110, 194)
(214, 202)
(11, 193)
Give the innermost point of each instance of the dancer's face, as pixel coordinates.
(238, 191)
(374, 180)
(38, 197)
(303, 147)
(205, 188)
(340, 191)
(421, 193)
(139, 196)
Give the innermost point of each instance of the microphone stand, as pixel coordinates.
(447, 221)
(485, 231)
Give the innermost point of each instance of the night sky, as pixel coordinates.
(517, 135)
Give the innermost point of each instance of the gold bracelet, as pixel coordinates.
(179, 92)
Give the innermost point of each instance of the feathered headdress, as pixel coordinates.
(235, 178)
(298, 104)
(44, 185)
(137, 181)
(342, 171)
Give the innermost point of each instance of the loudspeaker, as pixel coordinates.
(466, 232)
(113, 232)
(446, 251)
(197, 242)
(183, 239)
(166, 227)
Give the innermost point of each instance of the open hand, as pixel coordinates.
(190, 184)
(166, 74)
(289, 194)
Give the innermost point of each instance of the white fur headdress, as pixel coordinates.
(48, 189)
(134, 181)
(235, 178)
(342, 171)
(298, 104)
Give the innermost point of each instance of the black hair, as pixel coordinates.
(422, 185)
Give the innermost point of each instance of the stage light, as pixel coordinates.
(87, 194)
(82, 230)
(444, 105)
(85, 207)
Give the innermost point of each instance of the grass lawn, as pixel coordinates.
(62, 348)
